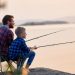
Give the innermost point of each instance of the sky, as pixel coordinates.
(39, 9)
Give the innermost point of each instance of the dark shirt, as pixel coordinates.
(6, 37)
(18, 47)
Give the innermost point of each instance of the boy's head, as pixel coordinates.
(20, 32)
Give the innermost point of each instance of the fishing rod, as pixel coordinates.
(56, 44)
(44, 35)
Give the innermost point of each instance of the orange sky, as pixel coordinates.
(39, 9)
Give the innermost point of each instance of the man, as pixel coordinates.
(6, 35)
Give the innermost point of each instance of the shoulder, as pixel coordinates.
(20, 40)
(10, 31)
(5, 29)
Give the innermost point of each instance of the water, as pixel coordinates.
(60, 57)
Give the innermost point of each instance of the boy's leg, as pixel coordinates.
(31, 56)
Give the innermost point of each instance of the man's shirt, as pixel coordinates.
(6, 37)
(17, 48)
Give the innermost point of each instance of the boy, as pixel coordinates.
(18, 48)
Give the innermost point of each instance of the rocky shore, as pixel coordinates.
(45, 71)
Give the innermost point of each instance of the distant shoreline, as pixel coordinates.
(45, 23)
(42, 23)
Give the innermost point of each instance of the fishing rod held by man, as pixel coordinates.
(43, 35)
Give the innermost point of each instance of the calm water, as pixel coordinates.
(60, 57)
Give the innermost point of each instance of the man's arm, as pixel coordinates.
(10, 37)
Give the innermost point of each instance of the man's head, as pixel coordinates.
(8, 20)
(20, 32)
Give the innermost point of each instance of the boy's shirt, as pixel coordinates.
(17, 47)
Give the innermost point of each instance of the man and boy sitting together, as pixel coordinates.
(15, 50)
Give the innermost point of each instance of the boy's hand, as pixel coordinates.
(34, 47)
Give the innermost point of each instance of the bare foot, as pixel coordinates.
(25, 71)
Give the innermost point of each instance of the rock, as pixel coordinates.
(46, 71)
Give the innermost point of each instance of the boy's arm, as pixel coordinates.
(24, 47)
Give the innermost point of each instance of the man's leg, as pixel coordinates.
(20, 63)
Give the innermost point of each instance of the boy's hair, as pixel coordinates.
(6, 18)
(19, 30)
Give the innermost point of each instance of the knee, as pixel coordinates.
(32, 53)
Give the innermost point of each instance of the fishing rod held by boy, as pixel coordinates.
(56, 44)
